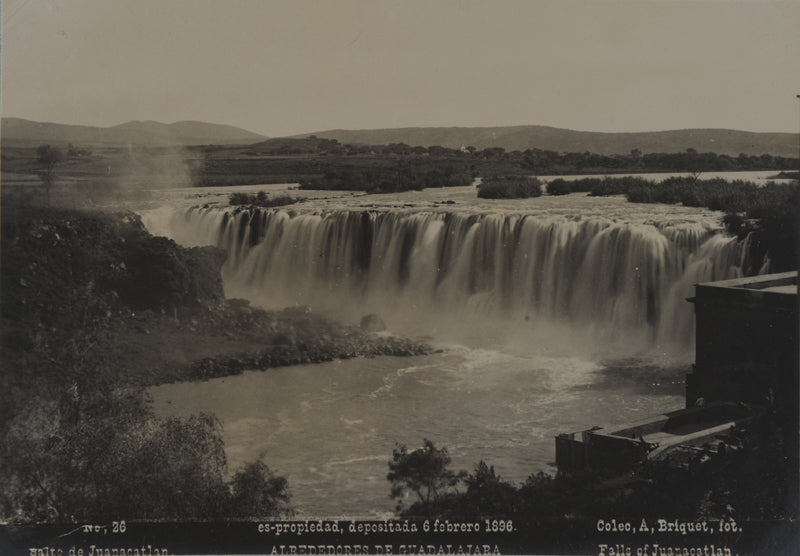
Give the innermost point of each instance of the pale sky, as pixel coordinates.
(287, 67)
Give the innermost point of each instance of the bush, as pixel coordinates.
(770, 212)
(402, 176)
(584, 185)
(616, 186)
(509, 187)
(559, 187)
(715, 483)
(257, 492)
(262, 199)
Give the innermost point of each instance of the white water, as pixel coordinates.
(556, 313)
(599, 270)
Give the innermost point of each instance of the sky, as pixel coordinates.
(291, 67)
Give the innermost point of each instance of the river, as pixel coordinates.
(554, 314)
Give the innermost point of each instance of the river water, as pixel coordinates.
(553, 314)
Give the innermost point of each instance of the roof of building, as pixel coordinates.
(783, 283)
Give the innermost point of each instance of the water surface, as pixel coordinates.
(331, 428)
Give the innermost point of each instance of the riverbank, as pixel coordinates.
(155, 308)
(231, 337)
(95, 309)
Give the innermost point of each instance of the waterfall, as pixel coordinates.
(617, 281)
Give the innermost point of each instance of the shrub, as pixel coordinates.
(262, 199)
(509, 187)
(616, 186)
(584, 185)
(257, 492)
(718, 485)
(559, 187)
(402, 176)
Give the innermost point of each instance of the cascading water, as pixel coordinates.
(556, 314)
(617, 281)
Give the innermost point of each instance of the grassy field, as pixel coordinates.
(327, 164)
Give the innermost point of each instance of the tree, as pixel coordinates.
(423, 472)
(488, 495)
(48, 157)
(89, 455)
(257, 492)
(493, 152)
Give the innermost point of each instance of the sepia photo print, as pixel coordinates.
(399, 277)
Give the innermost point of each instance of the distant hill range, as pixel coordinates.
(26, 133)
(19, 132)
(720, 141)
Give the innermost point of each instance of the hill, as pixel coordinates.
(25, 133)
(720, 141)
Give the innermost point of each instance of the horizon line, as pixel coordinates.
(404, 127)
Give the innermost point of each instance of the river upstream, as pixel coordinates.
(553, 314)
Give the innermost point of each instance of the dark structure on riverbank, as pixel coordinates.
(747, 356)
(747, 342)
(748, 351)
